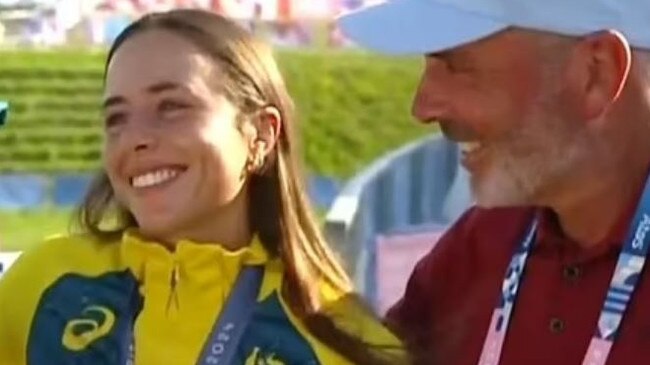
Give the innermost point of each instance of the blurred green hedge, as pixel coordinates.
(353, 107)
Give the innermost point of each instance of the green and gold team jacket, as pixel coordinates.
(73, 300)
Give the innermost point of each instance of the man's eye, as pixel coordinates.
(114, 119)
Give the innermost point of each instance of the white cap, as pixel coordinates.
(424, 26)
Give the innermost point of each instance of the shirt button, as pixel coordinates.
(556, 325)
(571, 273)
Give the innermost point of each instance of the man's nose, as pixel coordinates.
(430, 102)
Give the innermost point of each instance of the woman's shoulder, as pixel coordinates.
(351, 313)
(77, 252)
(54, 266)
(56, 256)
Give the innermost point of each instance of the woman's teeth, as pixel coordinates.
(153, 178)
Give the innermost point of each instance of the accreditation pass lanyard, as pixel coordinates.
(228, 329)
(628, 270)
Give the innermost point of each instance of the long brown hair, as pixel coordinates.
(279, 212)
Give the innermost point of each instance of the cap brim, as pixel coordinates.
(415, 27)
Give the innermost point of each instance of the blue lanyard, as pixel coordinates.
(228, 329)
(623, 284)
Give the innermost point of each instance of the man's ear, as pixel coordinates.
(598, 72)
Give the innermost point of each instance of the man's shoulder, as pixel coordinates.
(482, 232)
(463, 268)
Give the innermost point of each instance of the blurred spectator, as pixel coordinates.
(282, 22)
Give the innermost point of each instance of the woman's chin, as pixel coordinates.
(160, 230)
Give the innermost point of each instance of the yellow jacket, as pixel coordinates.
(71, 300)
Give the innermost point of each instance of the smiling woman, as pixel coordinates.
(176, 153)
(212, 254)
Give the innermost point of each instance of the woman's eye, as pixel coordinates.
(171, 105)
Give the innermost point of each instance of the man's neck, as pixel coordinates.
(591, 215)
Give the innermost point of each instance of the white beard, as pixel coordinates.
(528, 162)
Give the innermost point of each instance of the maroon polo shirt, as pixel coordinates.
(450, 297)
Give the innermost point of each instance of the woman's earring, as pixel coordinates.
(259, 162)
(250, 164)
(255, 163)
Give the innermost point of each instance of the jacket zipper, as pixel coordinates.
(173, 294)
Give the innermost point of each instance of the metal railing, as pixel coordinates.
(418, 184)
